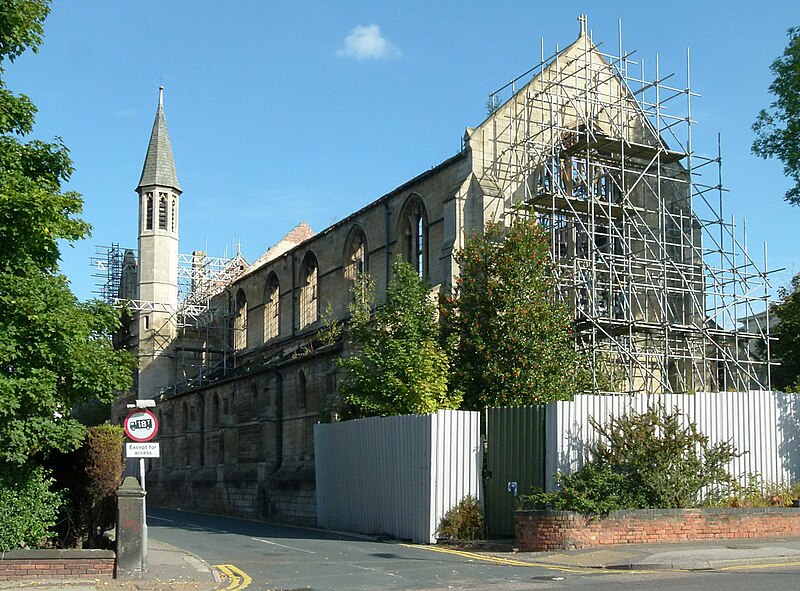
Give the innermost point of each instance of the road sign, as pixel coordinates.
(150, 449)
(141, 426)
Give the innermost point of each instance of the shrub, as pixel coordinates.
(104, 475)
(89, 477)
(644, 460)
(596, 489)
(28, 508)
(757, 494)
(462, 522)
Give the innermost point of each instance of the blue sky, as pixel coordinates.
(287, 111)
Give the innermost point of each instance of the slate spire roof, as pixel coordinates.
(159, 166)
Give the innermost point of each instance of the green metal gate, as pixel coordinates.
(514, 454)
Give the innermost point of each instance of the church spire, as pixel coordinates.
(159, 166)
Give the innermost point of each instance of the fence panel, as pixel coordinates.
(396, 475)
(765, 426)
(515, 439)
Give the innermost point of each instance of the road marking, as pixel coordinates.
(504, 561)
(160, 519)
(758, 566)
(509, 562)
(282, 545)
(219, 531)
(237, 577)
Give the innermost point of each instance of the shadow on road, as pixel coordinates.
(223, 524)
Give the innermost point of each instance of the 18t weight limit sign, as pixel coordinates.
(141, 425)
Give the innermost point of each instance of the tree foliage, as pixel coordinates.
(648, 460)
(777, 128)
(786, 377)
(28, 508)
(397, 364)
(55, 352)
(512, 342)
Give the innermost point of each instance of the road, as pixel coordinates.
(261, 556)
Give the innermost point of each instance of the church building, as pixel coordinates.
(231, 350)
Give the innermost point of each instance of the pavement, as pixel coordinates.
(173, 569)
(722, 554)
(168, 569)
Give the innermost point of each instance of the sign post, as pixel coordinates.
(141, 426)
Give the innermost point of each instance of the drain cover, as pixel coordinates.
(741, 547)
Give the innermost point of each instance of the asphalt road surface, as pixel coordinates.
(260, 556)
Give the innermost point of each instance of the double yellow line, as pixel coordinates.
(760, 566)
(578, 569)
(499, 560)
(237, 577)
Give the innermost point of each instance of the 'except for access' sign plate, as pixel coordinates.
(141, 426)
(143, 450)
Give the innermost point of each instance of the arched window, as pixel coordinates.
(309, 296)
(240, 322)
(252, 400)
(185, 417)
(148, 213)
(162, 211)
(414, 233)
(173, 213)
(302, 390)
(215, 410)
(355, 263)
(272, 308)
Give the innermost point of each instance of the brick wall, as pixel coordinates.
(554, 530)
(57, 564)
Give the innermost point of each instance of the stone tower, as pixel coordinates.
(159, 197)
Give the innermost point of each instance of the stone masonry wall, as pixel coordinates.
(57, 564)
(243, 446)
(556, 530)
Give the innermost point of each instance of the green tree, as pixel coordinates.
(55, 352)
(786, 377)
(397, 364)
(777, 128)
(511, 340)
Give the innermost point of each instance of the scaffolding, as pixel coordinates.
(664, 293)
(658, 281)
(201, 277)
(195, 318)
(107, 271)
(204, 324)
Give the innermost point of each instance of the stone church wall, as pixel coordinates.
(242, 447)
(242, 443)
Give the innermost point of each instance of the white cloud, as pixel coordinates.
(367, 43)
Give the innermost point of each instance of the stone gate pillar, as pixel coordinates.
(131, 559)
